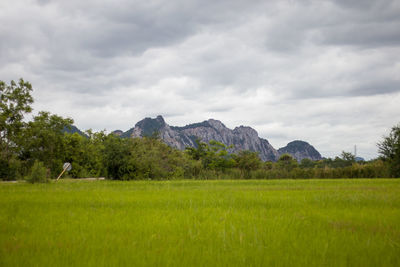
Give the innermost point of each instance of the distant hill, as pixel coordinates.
(74, 129)
(300, 150)
(358, 159)
(118, 132)
(242, 138)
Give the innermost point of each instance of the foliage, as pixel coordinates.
(247, 161)
(199, 151)
(44, 140)
(307, 163)
(347, 156)
(286, 162)
(337, 162)
(214, 156)
(38, 173)
(116, 156)
(218, 157)
(11, 168)
(15, 100)
(85, 154)
(143, 158)
(389, 148)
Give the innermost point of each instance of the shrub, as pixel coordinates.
(38, 173)
(11, 169)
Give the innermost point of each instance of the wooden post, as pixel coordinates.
(66, 167)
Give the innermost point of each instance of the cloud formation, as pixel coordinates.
(327, 72)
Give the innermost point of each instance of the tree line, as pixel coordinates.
(36, 150)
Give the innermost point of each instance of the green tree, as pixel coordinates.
(307, 163)
(75, 153)
(347, 156)
(116, 156)
(247, 161)
(199, 151)
(287, 162)
(15, 102)
(44, 140)
(389, 148)
(214, 156)
(218, 157)
(85, 154)
(143, 158)
(95, 150)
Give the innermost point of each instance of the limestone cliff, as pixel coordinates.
(242, 138)
(300, 150)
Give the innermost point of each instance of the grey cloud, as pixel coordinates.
(129, 28)
(357, 5)
(377, 87)
(362, 88)
(365, 24)
(368, 35)
(291, 69)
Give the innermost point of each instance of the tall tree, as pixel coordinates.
(44, 140)
(348, 156)
(199, 151)
(287, 162)
(248, 161)
(85, 153)
(214, 156)
(116, 156)
(389, 148)
(15, 102)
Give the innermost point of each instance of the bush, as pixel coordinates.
(10, 170)
(38, 173)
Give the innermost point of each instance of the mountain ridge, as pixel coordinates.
(241, 137)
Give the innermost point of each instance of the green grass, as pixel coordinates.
(201, 223)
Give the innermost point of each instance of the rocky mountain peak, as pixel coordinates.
(242, 137)
(246, 130)
(148, 125)
(218, 125)
(160, 119)
(300, 150)
(117, 132)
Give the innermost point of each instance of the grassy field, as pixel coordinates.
(201, 223)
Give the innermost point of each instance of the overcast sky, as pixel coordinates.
(323, 71)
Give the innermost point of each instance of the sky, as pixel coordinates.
(324, 71)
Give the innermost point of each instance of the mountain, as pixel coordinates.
(73, 129)
(300, 150)
(242, 138)
(118, 132)
(358, 159)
